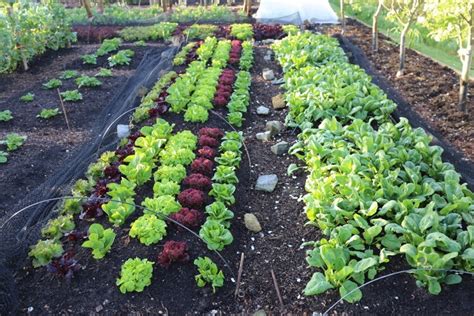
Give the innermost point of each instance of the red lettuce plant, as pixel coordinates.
(213, 132)
(205, 140)
(202, 165)
(188, 217)
(207, 152)
(198, 181)
(64, 266)
(173, 251)
(191, 198)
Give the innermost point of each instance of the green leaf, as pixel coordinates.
(453, 279)
(391, 242)
(365, 264)
(434, 287)
(349, 292)
(317, 285)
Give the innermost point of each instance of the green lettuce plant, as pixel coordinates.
(100, 240)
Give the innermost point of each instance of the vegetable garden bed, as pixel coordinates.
(49, 142)
(171, 129)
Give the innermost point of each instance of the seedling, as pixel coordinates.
(6, 116)
(71, 95)
(48, 113)
(53, 83)
(27, 97)
(104, 72)
(86, 81)
(13, 141)
(68, 74)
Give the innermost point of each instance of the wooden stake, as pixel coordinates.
(275, 283)
(64, 110)
(239, 275)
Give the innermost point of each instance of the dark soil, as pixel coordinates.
(49, 142)
(429, 87)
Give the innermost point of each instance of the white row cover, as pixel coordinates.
(295, 12)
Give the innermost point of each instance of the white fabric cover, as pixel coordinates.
(295, 11)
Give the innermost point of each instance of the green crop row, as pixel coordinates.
(374, 192)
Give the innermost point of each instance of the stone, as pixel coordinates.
(265, 136)
(252, 223)
(267, 57)
(268, 74)
(278, 102)
(263, 110)
(274, 127)
(266, 183)
(280, 148)
(123, 131)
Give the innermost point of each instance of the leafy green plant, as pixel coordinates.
(104, 72)
(48, 113)
(71, 96)
(200, 31)
(52, 84)
(100, 240)
(217, 211)
(243, 31)
(123, 57)
(164, 205)
(6, 116)
(235, 118)
(166, 188)
(174, 173)
(119, 211)
(13, 141)
(3, 156)
(108, 46)
(209, 273)
(149, 229)
(57, 227)
(29, 97)
(135, 275)
(138, 168)
(196, 113)
(229, 158)
(90, 59)
(160, 31)
(69, 74)
(87, 81)
(216, 235)
(225, 174)
(44, 251)
(140, 43)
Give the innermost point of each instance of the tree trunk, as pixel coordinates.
(100, 6)
(343, 18)
(466, 60)
(375, 27)
(87, 6)
(403, 36)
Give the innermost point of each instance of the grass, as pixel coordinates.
(442, 52)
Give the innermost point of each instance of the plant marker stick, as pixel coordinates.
(239, 274)
(64, 110)
(275, 283)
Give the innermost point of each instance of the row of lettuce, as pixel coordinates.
(192, 177)
(376, 189)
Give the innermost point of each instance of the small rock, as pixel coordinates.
(252, 223)
(123, 131)
(260, 312)
(99, 308)
(280, 148)
(268, 74)
(274, 127)
(278, 101)
(265, 136)
(267, 57)
(266, 183)
(263, 110)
